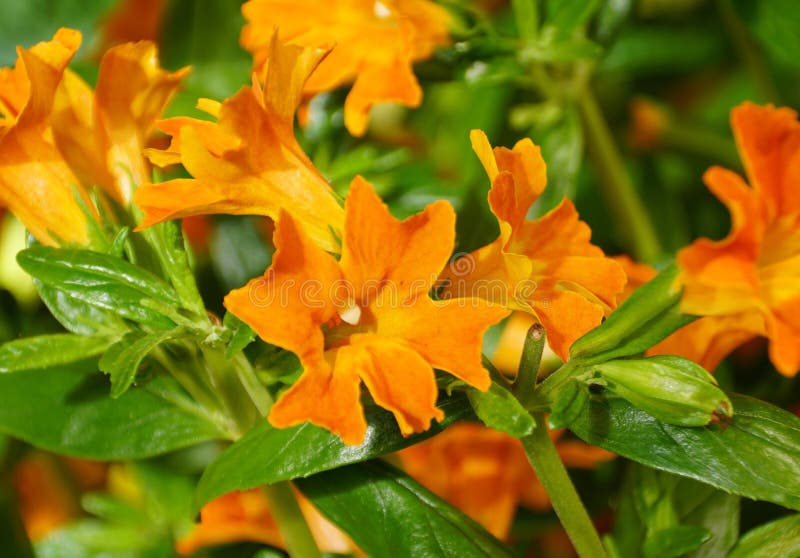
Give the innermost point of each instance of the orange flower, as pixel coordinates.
(486, 474)
(546, 267)
(248, 162)
(366, 318)
(374, 44)
(750, 281)
(102, 134)
(46, 501)
(35, 182)
(245, 516)
(57, 138)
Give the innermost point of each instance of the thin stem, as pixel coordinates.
(291, 522)
(525, 382)
(544, 458)
(748, 51)
(615, 184)
(281, 499)
(705, 143)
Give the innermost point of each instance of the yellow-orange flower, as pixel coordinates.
(248, 162)
(547, 267)
(750, 281)
(102, 134)
(366, 318)
(374, 45)
(486, 474)
(58, 138)
(245, 516)
(35, 182)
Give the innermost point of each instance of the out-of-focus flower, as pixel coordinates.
(58, 138)
(648, 123)
(486, 474)
(48, 491)
(248, 162)
(374, 44)
(245, 516)
(750, 281)
(547, 267)
(366, 318)
(133, 20)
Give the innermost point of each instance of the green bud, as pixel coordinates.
(649, 315)
(670, 388)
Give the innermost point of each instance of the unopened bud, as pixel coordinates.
(670, 388)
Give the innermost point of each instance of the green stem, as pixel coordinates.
(615, 184)
(291, 522)
(544, 458)
(748, 51)
(281, 499)
(705, 143)
(525, 382)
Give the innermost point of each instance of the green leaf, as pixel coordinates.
(499, 409)
(566, 17)
(526, 15)
(266, 455)
(646, 317)
(167, 240)
(101, 280)
(776, 538)
(45, 351)
(67, 410)
(122, 359)
(77, 316)
(775, 24)
(386, 513)
(242, 334)
(675, 541)
(755, 456)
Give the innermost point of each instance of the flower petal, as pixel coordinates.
(404, 256)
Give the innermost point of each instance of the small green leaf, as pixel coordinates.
(386, 513)
(566, 17)
(499, 409)
(242, 334)
(646, 317)
(122, 359)
(67, 410)
(78, 316)
(266, 455)
(755, 456)
(44, 351)
(675, 541)
(776, 538)
(569, 402)
(526, 15)
(101, 280)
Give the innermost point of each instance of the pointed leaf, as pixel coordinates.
(67, 410)
(101, 280)
(266, 455)
(44, 351)
(776, 538)
(121, 361)
(499, 409)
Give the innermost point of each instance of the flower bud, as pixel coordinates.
(670, 388)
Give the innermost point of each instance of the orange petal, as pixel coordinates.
(769, 142)
(35, 182)
(566, 316)
(287, 306)
(783, 329)
(710, 339)
(448, 334)
(404, 256)
(380, 84)
(330, 399)
(253, 164)
(398, 378)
